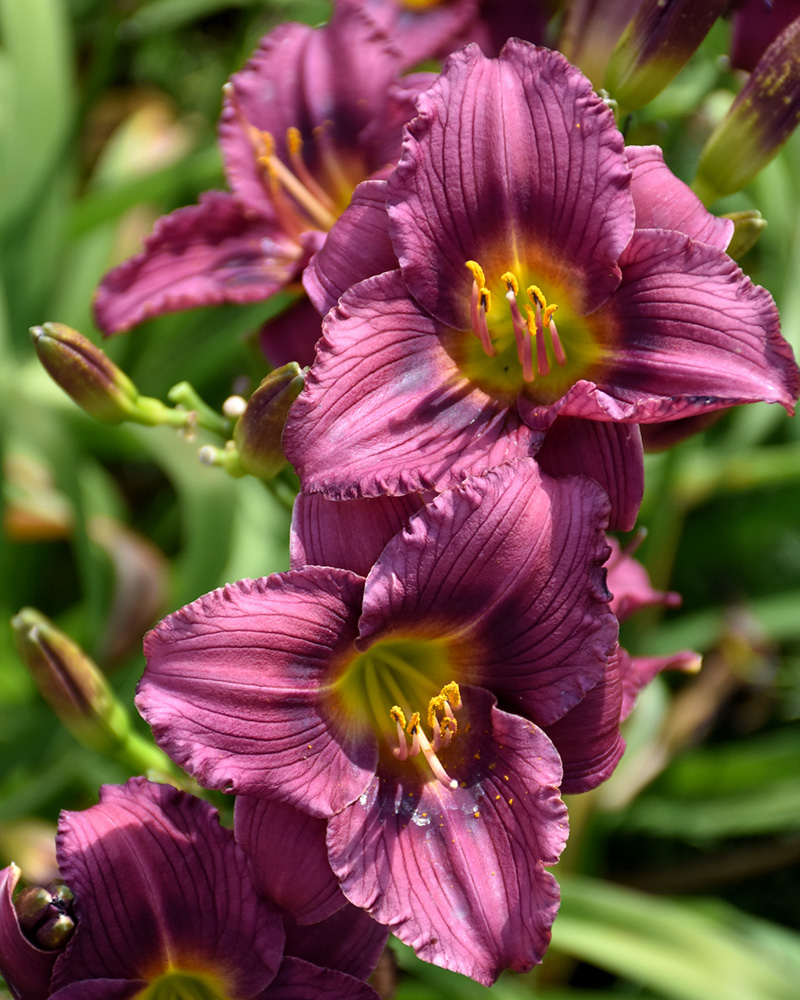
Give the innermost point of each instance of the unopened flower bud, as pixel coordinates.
(748, 225)
(256, 448)
(763, 116)
(32, 906)
(45, 914)
(70, 682)
(96, 384)
(657, 43)
(55, 932)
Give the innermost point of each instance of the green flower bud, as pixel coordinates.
(656, 45)
(95, 383)
(256, 448)
(763, 116)
(748, 225)
(70, 682)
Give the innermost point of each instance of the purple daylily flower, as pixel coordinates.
(164, 901)
(296, 135)
(403, 696)
(545, 272)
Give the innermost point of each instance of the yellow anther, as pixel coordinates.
(511, 282)
(548, 315)
(448, 725)
(486, 299)
(294, 141)
(452, 694)
(477, 273)
(413, 725)
(435, 705)
(397, 716)
(535, 294)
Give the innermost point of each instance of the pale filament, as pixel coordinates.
(530, 334)
(298, 183)
(444, 730)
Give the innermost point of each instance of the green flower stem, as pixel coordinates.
(186, 395)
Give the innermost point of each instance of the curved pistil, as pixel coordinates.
(529, 333)
(441, 720)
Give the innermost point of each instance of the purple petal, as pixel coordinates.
(638, 671)
(695, 335)
(357, 247)
(630, 585)
(292, 335)
(349, 940)
(350, 534)
(101, 989)
(587, 738)
(756, 24)
(159, 884)
(287, 857)
(202, 255)
(611, 454)
(297, 980)
(508, 567)
(385, 408)
(662, 201)
(510, 160)
(232, 689)
(459, 874)
(267, 94)
(431, 32)
(25, 968)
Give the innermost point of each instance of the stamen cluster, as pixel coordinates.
(529, 333)
(443, 724)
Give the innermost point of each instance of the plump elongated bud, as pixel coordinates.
(96, 384)
(655, 46)
(256, 448)
(70, 682)
(763, 116)
(748, 225)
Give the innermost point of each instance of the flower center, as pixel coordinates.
(527, 332)
(390, 682)
(521, 342)
(300, 201)
(178, 985)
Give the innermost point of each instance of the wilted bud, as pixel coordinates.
(70, 682)
(656, 45)
(748, 225)
(256, 448)
(95, 383)
(763, 116)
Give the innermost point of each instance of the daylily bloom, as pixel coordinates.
(297, 134)
(165, 907)
(407, 709)
(545, 271)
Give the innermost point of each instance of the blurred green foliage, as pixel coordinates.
(107, 120)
